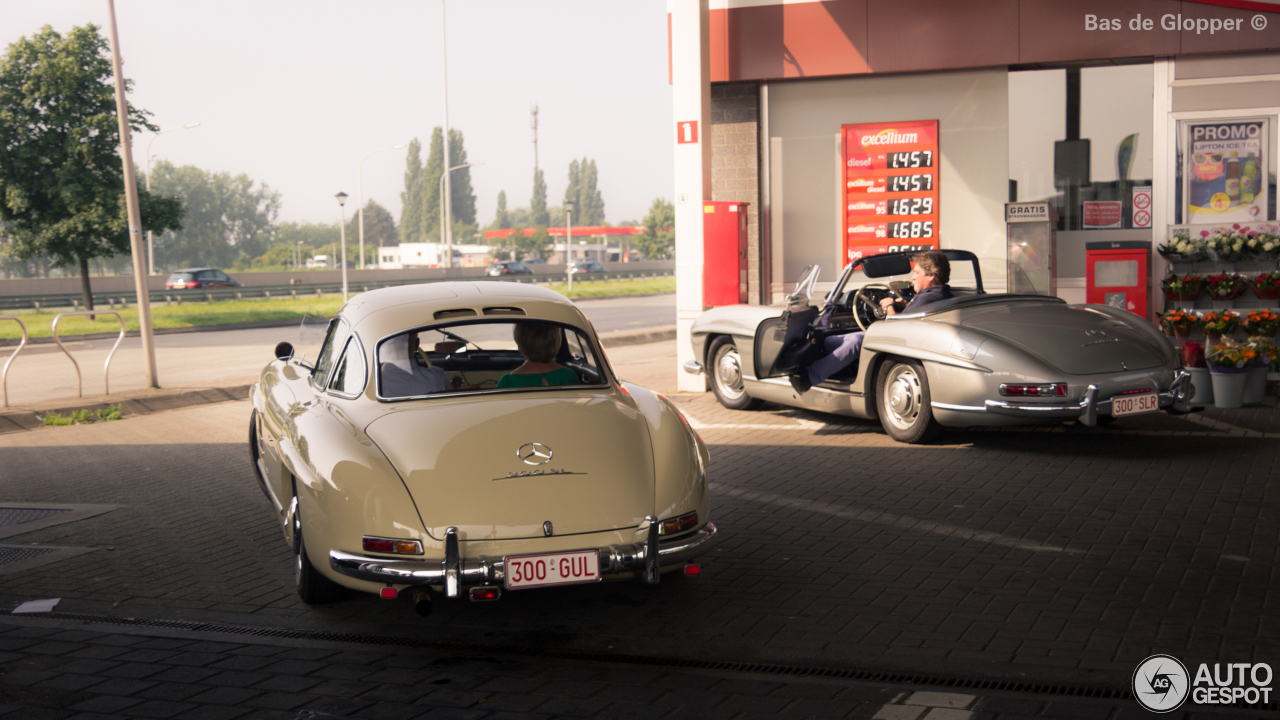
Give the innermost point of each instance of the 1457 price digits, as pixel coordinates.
(910, 183)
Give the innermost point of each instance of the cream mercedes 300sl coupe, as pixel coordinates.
(464, 438)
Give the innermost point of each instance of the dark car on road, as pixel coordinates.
(587, 266)
(190, 278)
(510, 267)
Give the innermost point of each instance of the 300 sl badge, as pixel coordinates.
(531, 473)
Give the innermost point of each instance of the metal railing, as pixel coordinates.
(106, 367)
(4, 374)
(62, 300)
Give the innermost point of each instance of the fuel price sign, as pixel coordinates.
(891, 187)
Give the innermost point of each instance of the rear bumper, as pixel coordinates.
(455, 572)
(1176, 399)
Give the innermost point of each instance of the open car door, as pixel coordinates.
(780, 340)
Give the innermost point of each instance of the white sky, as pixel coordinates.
(295, 92)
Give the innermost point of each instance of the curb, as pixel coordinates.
(145, 402)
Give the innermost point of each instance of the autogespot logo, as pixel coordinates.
(1160, 684)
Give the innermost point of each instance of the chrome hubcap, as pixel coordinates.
(903, 397)
(729, 372)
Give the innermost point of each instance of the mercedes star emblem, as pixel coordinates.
(534, 454)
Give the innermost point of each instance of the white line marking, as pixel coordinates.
(800, 424)
(902, 522)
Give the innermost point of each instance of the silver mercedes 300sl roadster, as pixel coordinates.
(977, 359)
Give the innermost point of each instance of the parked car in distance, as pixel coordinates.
(507, 267)
(587, 266)
(191, 278)
(410, 458)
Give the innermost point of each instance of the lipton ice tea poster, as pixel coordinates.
(1226, 171)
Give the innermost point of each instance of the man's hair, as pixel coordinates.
(538, 342)
(933, 262)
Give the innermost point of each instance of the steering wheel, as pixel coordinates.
(866, 305)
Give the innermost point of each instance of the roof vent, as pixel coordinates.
(503, 311)
(457, 313)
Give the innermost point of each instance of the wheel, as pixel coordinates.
(902, 397)
(725, 369)
(313, 588)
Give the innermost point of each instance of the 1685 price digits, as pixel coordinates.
(911, 229)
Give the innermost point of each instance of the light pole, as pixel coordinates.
(360, 181)
(342, 203)
(568, 240)
(151, 252)
(444, 219)
(446, 232)
(297, 264)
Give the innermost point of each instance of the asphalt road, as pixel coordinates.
(235, 357)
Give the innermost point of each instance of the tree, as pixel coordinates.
(538, 244)
(379, 227)
(411, 198)
(463, 206)
(538, 216)
(659, 239)
(230, 220)
(582, 190)
(501, 219)
(61, 176)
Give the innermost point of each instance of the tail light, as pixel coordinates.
(392, 545)
(675, 525)
(1046, 390)
(388, 593)
(485, 593)
(193, 284)
(692, 569)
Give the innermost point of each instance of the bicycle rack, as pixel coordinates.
(4, 374)
(106, 367)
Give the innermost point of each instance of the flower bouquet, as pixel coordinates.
(1266, 349)
(1265, 243)
(1218, 324)
(1228, 244)
(1182, 248)
(1179, 323)
(1182, 287)
(1193, 354)
(1231, 356)
(1261, 323)
(1225, 286)
(1266, 286)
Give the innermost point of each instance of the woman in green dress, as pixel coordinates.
(539, 344)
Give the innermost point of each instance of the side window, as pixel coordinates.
(581, 358)
(333, 342)
(349, 378)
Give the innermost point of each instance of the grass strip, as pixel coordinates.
(83, 416)
(218, 312)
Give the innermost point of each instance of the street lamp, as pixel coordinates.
(151, 254)
(297, 264)
(342, 203)
(448, 239)
(568, 240)
(360, 179)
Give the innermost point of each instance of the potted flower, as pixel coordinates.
(1219, 324)
(1255, 383)
(1261, 323)
(1223, 288)
(1194, 361)
(1182, 287)
(1266, 286)
(1179, 323)
(1182, 248)
(1229, 362)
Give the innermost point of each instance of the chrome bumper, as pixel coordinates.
(693, 367)
(1176, 399)
(454, 571)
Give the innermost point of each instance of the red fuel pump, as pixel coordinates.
(724, 253)
(1118, 274)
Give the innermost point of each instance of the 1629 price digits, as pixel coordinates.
(911, 229)
(911, 206)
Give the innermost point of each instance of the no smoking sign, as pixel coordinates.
(1142, 207)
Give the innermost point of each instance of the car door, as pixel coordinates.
(780, 340)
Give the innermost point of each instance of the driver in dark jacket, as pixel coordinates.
(929, 278)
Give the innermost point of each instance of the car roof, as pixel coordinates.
(378, 313)
(190, 270)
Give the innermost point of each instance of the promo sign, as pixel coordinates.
(890, 187)
(1224, 170)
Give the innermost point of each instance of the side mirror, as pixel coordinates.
(284, 351)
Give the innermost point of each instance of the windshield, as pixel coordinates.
(804, 289)
(485, 356)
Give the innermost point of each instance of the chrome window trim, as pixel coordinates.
(352, 338)
(324, 384)
(606, 371)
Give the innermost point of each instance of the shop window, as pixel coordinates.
(1081, 139)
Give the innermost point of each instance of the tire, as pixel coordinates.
(312, 587)
(902, 399)
(724, 369)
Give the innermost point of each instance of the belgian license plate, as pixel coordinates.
(1134, 404)
(568, 568)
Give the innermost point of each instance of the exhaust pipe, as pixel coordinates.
(422, 601)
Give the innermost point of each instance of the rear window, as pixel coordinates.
(486, 357)
(181, 276)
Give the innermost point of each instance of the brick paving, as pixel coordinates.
(1054, 556)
